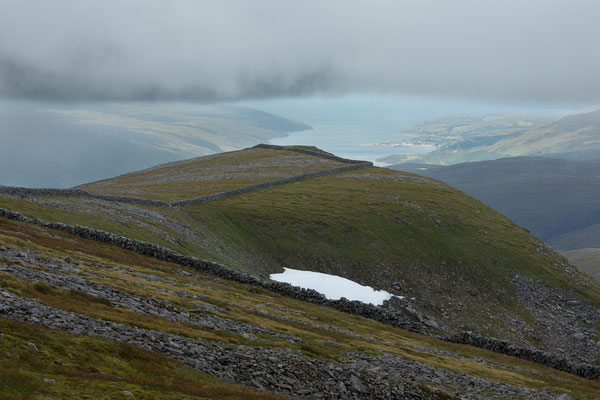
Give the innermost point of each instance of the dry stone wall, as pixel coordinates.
(538, 356)
(390, 317)
(22, 191)
(264, 185)
(310, 152)
(354, 165)
(398, 318)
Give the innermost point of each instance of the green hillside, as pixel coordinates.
(587, 260)
(458, 262)
(462, 140)
(582, 238)
(465, 138)
(210, 174)
(574, 136)
(548, 196)
(82, 319)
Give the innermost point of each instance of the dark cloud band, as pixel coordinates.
(207, 51)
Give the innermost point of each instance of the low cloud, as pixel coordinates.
(229, 50)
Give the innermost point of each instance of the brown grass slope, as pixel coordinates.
(210, 174)
(91, 367)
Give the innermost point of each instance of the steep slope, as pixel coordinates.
(550, 197)
(574, 136)
(465, 138)
(82, 318)
(587, 260)
(460, 264)
(579, 239)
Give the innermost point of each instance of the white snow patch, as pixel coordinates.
(332, 286)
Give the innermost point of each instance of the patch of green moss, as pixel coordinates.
(84, 367)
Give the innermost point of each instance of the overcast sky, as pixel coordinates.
(534, 50)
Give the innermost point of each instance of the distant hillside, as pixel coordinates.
(587, 260)
(578, 239)
(550, 197)
(460, 264)
(56, 145)
(575, 137)
(465, 138)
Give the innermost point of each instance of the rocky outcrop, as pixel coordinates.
(404, 318)
(71, 282)
(289, 371)
(282, 370)
(566, 323)
(538, 356)
(399, 318)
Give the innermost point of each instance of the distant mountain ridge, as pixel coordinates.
(586, 259)
(574, 137)
(464, 138)
(588, 237)
(550, 197)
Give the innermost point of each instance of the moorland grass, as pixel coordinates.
(232, 296)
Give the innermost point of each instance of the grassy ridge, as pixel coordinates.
(375, 228)
(212, 174)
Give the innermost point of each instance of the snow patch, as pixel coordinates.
(332, 286)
